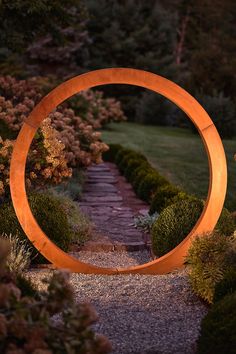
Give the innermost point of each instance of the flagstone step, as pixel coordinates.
(111, 204)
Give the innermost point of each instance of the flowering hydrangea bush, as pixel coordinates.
(67, 138)
(16, 90)
(97, 110)
(89, 105)
(82, 143)
(14, 115)
(46, 161)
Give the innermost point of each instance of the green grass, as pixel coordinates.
(177, 153)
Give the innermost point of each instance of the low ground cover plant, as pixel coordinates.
(145, 221)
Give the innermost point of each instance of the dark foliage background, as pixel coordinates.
(191, 42)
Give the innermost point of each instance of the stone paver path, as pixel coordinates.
(111, 204)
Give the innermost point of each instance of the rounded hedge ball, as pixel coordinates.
(174, 224)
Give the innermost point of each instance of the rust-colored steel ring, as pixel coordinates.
(206, 128)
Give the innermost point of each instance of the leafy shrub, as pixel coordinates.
(96, 109)
(154, 109)
(144, 178)
(26, 325)
(123, 163)
(121, 154)
(226, 286)
(174, 224)
(132, 165)
(138, 174)
(149, 185)
(74, 134)
(217, 334)
(82, 144)
(209, 257)
(50, 216)
(150, 49)
(19, 256)
(71, 188)
(222, 111)
(26, 286)
(233, 214)
(80, 225)
(225, 224)
(110, 155)
(6, 132)
(163, 197)
(46, 161)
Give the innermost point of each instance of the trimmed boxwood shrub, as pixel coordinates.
(50, 216)
(138, 175)
(122, 165)
(225, 286)
(110, 154)
(167, 195)
(174, 224)
(122, 153)
(132, 166)
(218, 328)
(149, 184)
(163, 197)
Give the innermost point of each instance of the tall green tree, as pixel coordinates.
(211, 45)
(132, 33)
(22, 21)
(46, 24)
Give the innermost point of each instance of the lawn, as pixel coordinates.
(176, 153)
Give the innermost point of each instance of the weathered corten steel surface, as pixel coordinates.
(206, 128)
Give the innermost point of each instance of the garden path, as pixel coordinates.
(111, 204)
(138, 313)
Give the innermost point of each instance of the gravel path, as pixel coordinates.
(113, 259)
(140, 314)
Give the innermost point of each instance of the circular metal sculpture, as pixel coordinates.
(206, 128)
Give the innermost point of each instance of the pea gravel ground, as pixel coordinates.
(139, 314)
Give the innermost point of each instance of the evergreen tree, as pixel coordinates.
(211, 46)
(132, 33)
(24, 22)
